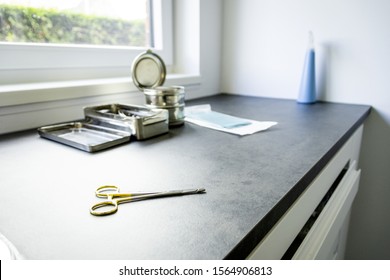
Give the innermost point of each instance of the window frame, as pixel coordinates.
(39, 63)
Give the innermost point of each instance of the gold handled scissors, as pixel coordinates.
(114, 198)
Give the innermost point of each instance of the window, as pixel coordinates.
(91, 22)
(55, 40)
(42, 84)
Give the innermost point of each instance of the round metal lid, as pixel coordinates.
(148, 70)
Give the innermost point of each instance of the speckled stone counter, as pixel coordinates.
(47, 188)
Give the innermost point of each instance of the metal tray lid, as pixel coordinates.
(84, 136)
(148, 70)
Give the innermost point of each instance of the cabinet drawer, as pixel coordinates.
(275, 244)
(326, 238)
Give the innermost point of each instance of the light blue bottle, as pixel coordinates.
(307, 91)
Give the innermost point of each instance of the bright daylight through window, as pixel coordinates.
(85, 22)
(45, 41)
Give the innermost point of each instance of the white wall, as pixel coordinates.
(198, 39)
(264, 43)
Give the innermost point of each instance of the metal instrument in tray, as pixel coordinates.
(140, 121)
(84, 136)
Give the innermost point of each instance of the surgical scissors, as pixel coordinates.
(114, 198)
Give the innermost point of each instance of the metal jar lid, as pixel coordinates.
(148, 70)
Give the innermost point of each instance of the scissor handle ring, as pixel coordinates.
(111, 210)
(103, 191)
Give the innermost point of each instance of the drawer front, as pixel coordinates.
(325, 240)
(278, 240)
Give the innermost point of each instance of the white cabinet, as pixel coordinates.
(325, 237)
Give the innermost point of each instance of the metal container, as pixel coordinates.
(148, 73)
(169, 98)
(165, 96)
(140, 121)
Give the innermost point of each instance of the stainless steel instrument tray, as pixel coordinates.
(140, 121)
(84, 136)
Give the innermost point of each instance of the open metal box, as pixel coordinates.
(109, 125)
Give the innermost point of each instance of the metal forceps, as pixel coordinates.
(114, 198)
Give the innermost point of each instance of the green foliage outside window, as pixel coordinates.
(25, 24)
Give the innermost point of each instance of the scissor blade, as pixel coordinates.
(168, 193)
(191, 191)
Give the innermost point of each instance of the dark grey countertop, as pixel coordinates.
(47, 188)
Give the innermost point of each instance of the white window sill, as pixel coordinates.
(11, 95)
(28, 106)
